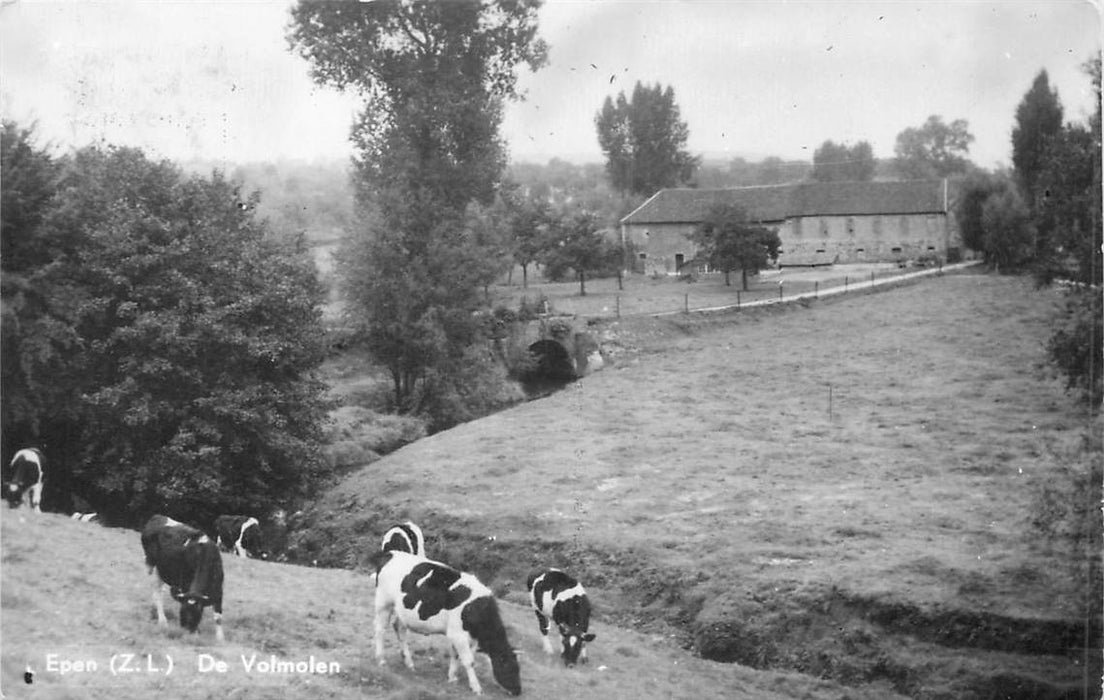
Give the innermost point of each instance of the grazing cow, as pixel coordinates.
(189, 563)
(86, 517)
(429, 597)
(405, 538)
(560, 598)
(26, 479)
(241, 535)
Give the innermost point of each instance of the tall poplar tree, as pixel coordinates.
(434, 76)
(644, 139)
(1038, 122)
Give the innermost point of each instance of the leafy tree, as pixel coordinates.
(933, 150)
(730, 241)
(1038, 121)
(834, 162)
(1008, 231)
(434, 76)
(36, 335)
(577, 243)
(644, 140)
(529, 224)
(1068, 189)
(182, 344)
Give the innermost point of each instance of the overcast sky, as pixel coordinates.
(215, 81)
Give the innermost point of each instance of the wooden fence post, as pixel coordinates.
(686, 302)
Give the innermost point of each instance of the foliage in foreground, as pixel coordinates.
(159, 345)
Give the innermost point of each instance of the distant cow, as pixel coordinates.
(405, 538)
(27, 477)
(429, 597)
(86, 517)
(560, 598)
(241, 535)
(189, 563)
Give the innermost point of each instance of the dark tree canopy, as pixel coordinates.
(728, 241)
(644, 139)
(834, 162)
(933, 150)
(1038, 121)
(164, 355)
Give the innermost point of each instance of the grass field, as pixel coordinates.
(76, 612)
(891, 488)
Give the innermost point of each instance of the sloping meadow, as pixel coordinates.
(890, 490)
(78, 623)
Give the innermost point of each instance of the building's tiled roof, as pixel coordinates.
(779, 202)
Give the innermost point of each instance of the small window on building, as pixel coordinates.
(895, 250)
(643, 256)
(820, 250)
(860, 250)
(931, 247)
(679, 260)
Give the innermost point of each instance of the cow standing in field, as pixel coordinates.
(189, 563)
(406, 537)
(86, 517)
(241, 535)
(558, 597)
(27, 478)
(429, 597)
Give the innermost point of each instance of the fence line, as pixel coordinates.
(817, 293)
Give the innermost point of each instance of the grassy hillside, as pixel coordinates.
(79, 594)
(890, 489)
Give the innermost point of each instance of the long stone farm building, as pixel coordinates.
(819, 223)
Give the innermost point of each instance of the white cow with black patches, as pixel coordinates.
(26, 479)
(558, 597)
(429, 597)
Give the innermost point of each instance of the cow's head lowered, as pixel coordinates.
(191, 608)
(573, 634)
(560, 600)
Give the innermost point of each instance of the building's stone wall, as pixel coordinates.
(810, 239)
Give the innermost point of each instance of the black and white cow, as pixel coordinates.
(189, 563)
(558, 597)
(86, 517)
(241, 535)
(406, 537)
(27, 477)
(429, 597)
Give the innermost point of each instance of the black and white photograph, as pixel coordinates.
(596, 349)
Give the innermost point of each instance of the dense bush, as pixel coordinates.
(1076, 346)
